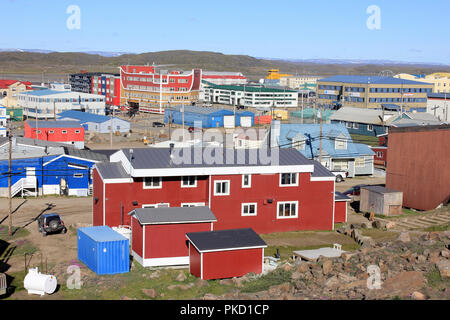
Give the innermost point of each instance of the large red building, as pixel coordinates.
(418, 165)
(69, 132)
(107, 85)
(150, 88)
(291, 193)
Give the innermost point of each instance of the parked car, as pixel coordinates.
(51, 223)
(157, 124)
(355, 190)
(340, 175)
(192, 129)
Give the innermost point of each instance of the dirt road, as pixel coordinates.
(58, 248)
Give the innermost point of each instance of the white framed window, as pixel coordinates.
(288, 179)
(51, 131)
(189, 182)
(355, 125)
(78, 175)
(152, 183)
(370, 127)
(156, 205)
(222, 188)
(246, 181)
(360, 162)
(77, 131)
(287, 209)
(192, 204)
(249, 209)
(64, 131)
(379, 154)
(348, 124)
(340, 144)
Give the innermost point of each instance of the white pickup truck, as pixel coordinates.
(340, 175)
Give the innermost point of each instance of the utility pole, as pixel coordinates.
(319, 113)
(111, 131)
(9, 181)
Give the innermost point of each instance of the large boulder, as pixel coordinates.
(404, 237)
(444, 268)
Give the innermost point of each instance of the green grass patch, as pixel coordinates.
(17, 233)
(369, 140)
(276, 277)
(379, 235)
(435, 280)
(113, 287)
(441, 227)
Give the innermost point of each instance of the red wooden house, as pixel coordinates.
(292, 193)
(225, 253)
(159, 234)
(68, 132)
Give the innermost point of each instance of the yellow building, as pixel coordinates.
(274, 74)
(439, 80)
(373, 91)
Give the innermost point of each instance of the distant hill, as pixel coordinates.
(18, 62)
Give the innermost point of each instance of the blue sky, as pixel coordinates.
(414, 31)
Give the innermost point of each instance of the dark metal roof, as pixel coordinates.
(380, 189)
(54, 124)
(370, 79)
(338, 196)
(154, 158)
(173, 215)
(320, 171)
(85, 154)
(226, 239)
(113, 170)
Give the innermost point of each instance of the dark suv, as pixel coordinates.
(51, 223)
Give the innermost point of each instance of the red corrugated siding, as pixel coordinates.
(233, 263)
(169, 240)
(340, 208)
(97, 193)
(137, 236)
(418, 165)
(194, 262)
(56, 136)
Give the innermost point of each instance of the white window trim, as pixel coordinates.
(64, 131)
(355, 125)
(249, 181)
(370, 127)
(337, 141)
(152, 187)
(155, 205)
(285, 202)
(289, 185)
(249, 214)
(77, 131)
(222, 194)
(188, 186)
(194, 204)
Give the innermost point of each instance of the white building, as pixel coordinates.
(251, 139)
(44, 104)
(3, 121)
(224, 77)
(438, 104)
(296, 82)
(250, 96)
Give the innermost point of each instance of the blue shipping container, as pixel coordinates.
(103, 250)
